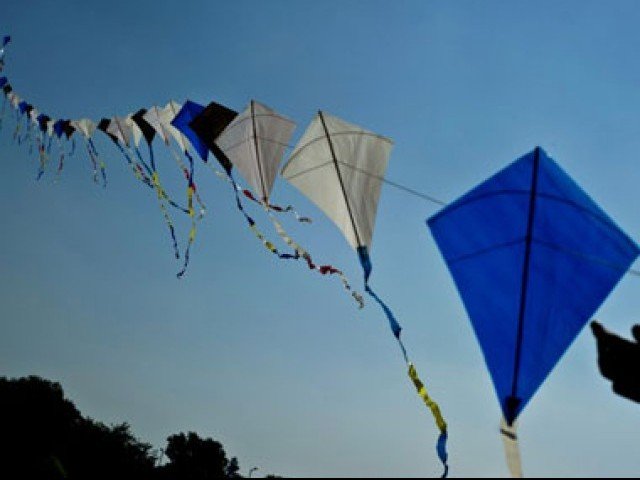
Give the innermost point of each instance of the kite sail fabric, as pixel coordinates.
(182, 120)
(619, 360)
(533, 257)
(255, 143)
(209, 124)
(340, 167)
(345, 186)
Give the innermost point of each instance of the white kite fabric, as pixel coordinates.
(160, 119)
(340, 167)
(121, 129)
(84, 126)
(255, 143)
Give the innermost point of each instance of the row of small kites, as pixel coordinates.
(532, 256)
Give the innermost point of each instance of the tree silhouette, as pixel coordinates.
(194, 458)
(44, 436)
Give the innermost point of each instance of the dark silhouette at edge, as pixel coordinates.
(619, 360)
(44, 436)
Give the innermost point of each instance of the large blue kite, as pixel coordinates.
(533, 258)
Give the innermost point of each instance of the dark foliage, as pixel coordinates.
(44, 436)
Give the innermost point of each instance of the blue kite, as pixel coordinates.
(533, 258)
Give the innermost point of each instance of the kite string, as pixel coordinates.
(391, 183)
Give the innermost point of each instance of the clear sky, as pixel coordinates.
(263, 355)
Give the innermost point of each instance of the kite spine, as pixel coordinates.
(255, 144)
(513, 401)
(344, 192)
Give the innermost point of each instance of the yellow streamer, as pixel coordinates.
(422, 391)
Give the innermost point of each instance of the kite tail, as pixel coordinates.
(94, 163)
(511, 448)
(203, 207)
(252, 224)
(140, 175)
(192, 192)
(137, 169)
(188, 175)
(4, 107)
(93, 151)
(60, 161)
(73, 147)
(322, 269)
(29, 138)
(16, 132)
(143, 163)
(299, 252)
(441, 445)
(161, 198)
(277, 208)
(42, 154)
(49, 144)
(192, 231)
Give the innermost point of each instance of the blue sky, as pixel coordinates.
(263, 355)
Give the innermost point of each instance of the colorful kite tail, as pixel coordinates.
(277, 208)
(192, 231)
(42, 154)
(203, 207)
(96, 158)
(94, 163)
(138, 172)
(251, 222)
(60, 161)
(441, 445)
(322, 269)
(161, 198)
(16, 132)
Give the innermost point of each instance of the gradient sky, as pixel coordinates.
(269, 358)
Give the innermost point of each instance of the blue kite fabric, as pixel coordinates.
(533, 258)
(189, 111)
